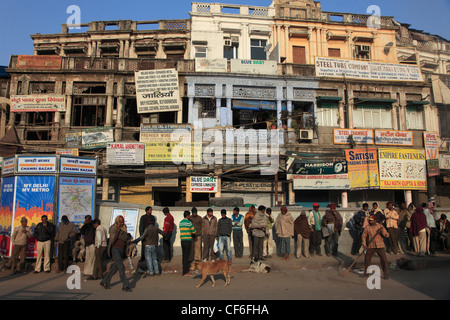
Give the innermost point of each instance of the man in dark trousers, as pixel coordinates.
(144, 222)
(44, 233)
(167, 229)
(372, 240)
(88, 232)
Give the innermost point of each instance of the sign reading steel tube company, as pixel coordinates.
(366, 70)
(157, 91)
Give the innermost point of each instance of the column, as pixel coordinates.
(279, 121)
(229, 113)
(191, 110)
(408, 196)
(109, 109)
(105, 189)
(344, 197)
(286, 40)
(291, 193)
(69, 91)
(188, 190)
(119, 115)
(289, 109)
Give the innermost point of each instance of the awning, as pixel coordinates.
(256, 105)
(417, 103)
(369, 100)
(325, 98)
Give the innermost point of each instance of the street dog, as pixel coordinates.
(211, 268)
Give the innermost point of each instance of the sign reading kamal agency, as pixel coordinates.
(157, 91)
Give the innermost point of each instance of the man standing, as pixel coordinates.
(88, 233)
(167, 229)
(238, 235)
(284, 226)
(258, 229)
(302, 231)
(392, 218)
(315, 221)
(186, 231)
(373, 242)
(224, 229)
(247, 222)
(100, 248)
(269, 244)
(196, 252)
(64, 234)
(443, 229)
(431, 230)
(333, 221)
(209, 234)
(44, 233)
(361, 221)
(19, 239)
(144, 222)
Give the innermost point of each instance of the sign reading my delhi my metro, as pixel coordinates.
(366, 70)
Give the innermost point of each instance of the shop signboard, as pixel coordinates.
(393, 138)
(363, 168)
(203, 184)
(359, 136)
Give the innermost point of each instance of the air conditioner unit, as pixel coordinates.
(306, 134)
(227, 42)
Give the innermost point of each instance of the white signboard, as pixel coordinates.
(36, 164)
(38, 103)
(203, 184)
(77, 165)
(431, 145)
(210, 65)
(131, 154)
(321, 182)
(157, 91)
(254, 66)
(359, 136)
(366, 70)
(444, 161)
(393, 138)
(165, 132)
(8, 166)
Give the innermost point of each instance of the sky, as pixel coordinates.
(20, 19)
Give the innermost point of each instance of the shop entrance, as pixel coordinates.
(166, 197)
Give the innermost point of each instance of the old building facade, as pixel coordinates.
(242, 70)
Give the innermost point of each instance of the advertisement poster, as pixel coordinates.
(176, 152)
(321, 182)
(359, 136)
(165, 132)
(94, 138)
(393, 138)
(363, 168)
(118, 154)
(76, 198)
(35, 197)
(157, 91)
(38, 103)
(8, 166)
(211, 65)
(366, 70)
(402, 169)
(203, 184)
(130, 216)
(432, 153)
(6, 213)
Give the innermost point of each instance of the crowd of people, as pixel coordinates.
(400, 230)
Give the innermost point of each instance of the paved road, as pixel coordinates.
(315, 280)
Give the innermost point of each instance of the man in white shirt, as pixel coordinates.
(100, 247)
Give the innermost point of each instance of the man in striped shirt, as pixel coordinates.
(186, 231)
(372, 241)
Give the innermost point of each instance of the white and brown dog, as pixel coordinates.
(212, 268)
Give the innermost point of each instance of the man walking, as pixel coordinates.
(238, 235)
(186, 231)
(64, 234)
(44, 233)
(373, 242)
(209, 234)
(196, 252)
(224, 229)
(100, 248)
(167, 229)
(19, 239)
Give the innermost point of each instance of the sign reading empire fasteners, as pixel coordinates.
(157, 91)
(352, 69)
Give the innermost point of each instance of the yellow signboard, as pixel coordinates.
(176, 152)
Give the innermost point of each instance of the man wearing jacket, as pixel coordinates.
(66, 231)
(209, 234)
(224, 228)
(44, 234)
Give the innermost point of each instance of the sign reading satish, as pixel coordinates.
(366, 70)
(157, 91)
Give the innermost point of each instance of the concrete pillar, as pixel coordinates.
(109, 110)
(408, 197)
(188, 190)
(344, 197)
(291, 193)
(289, 109)
(105, 189)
